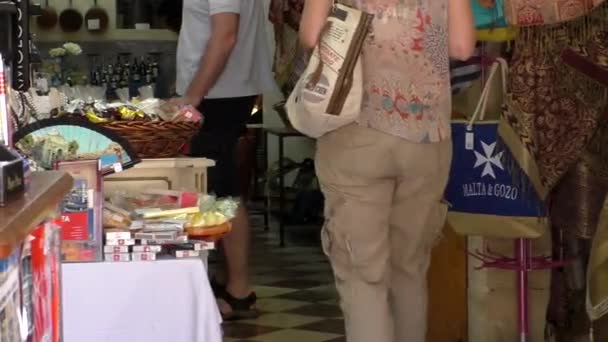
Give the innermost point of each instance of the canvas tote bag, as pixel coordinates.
(328, 95)
(484, 199)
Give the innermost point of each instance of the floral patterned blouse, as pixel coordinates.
(406, 69)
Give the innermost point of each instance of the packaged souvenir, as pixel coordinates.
(120, 242)
(79, 251)
(179, 240)
(188, 113)
(45, 252)
(115, 217)
(186, 254)
(81, 213)
(173, 214)
(225, 206)
(26, 276)
(117, 257)
(118, 234)
(115, 249)
(144, 256)
(147, 249)
(170, 236)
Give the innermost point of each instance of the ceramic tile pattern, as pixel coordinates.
(297, 299)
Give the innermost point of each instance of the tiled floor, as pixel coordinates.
(298, 300)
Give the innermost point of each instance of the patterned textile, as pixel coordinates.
(290, 59)
(590, 58)
(549, 119)
(578, 198)
(546, 12)
(406, 69)
(286, 12)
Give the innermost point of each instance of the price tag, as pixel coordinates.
(469, 141)
(117, 167)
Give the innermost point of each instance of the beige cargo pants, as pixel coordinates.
(384, 212)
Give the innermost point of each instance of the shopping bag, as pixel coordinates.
(329, 93)
(489, 13)
(484, 199)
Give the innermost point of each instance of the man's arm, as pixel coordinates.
(224, 31)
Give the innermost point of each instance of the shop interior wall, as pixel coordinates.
(116, 40)
(83, 35)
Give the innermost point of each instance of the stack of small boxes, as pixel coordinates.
(122, 245)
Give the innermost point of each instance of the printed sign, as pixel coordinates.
(480, 183)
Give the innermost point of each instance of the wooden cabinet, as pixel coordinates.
(467, 304)
(448, 290)
(167, 174)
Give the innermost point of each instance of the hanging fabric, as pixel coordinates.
(547, 12)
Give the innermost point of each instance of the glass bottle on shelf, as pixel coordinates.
(118, 67)
(94, 72)
(125, 69)
(145, 72)
(155, 71)
(155, 65)
(110, 69)
(105, 77)
(149, 77)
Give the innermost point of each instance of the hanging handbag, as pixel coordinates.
(491, 22)
(484, 199)
(489, 14)
(497, 35)
(329, 93)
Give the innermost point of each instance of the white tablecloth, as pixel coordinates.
(161, 301)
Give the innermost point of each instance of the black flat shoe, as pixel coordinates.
(240, 308)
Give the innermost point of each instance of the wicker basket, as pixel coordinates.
(210, 234)
(155, 139)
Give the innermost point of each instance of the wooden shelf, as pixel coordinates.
(21, 215)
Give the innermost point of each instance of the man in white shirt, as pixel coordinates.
(223, 64)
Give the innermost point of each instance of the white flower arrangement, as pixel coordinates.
(67, 49)
(72, 49)
(62, 68)
(57, 52)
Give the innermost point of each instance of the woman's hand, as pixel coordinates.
(314, 19)
(461, 29)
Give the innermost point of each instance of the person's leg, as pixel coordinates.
(351, 166)
(225, 121)
(417, 218)
(236, 246)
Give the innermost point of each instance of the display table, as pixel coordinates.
(167, 300)
(281, 133)
(168, 173)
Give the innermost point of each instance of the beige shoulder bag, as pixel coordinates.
(329, 92)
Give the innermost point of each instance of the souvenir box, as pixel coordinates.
(12, 182)
(81, 212)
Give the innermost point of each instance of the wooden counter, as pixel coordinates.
(21, 215)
